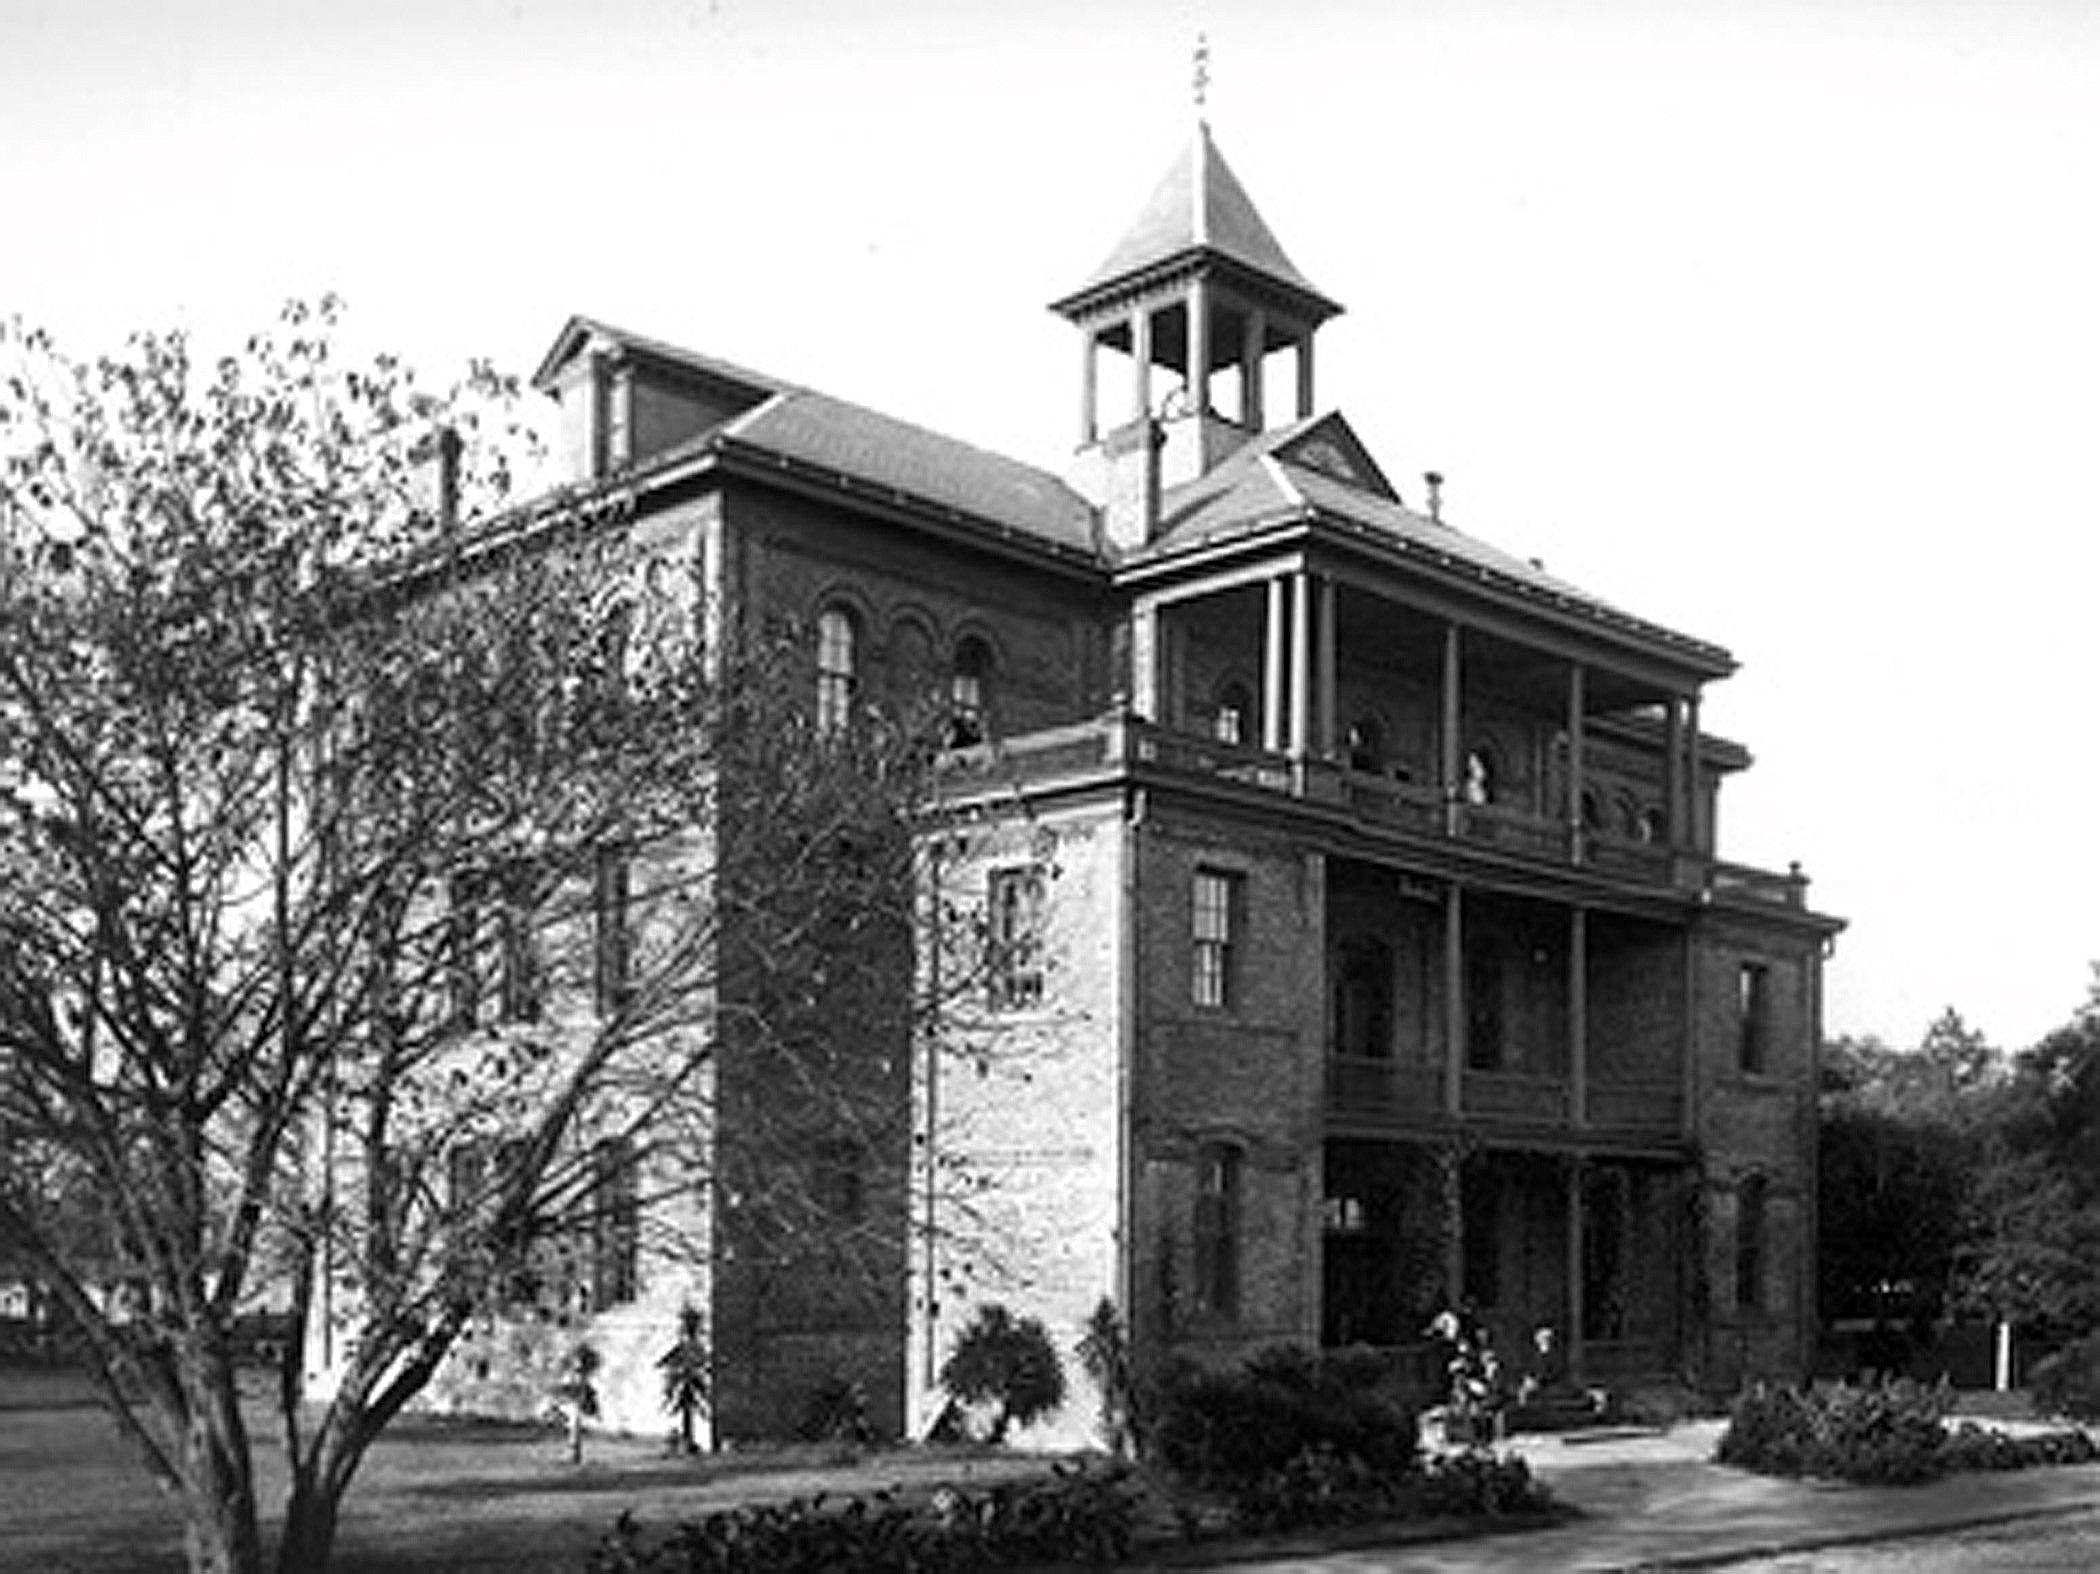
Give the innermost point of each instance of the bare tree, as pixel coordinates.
(382, 904)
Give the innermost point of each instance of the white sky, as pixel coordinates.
(1776, 323)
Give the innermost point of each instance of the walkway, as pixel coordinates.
(1655, 1502)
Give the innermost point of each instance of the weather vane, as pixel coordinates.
(1201, 78)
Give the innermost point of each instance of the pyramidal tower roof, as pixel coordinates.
(1198, 213)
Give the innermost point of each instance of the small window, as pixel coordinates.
(615, 1224)
(1363, 999)
(966, 686)
(1233, 720)
(1592, 811)
(1214, 903)
(1649, 827)
(609, 919)
(837, 667)
(1014, 971)
(1483, 782)
(1753, 991)
(1752, 1203)
(1219, 1167)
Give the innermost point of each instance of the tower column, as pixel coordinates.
(1199, 346)
(1141, 361)
(1252, 415)
(1305, 375)
(1089, 387)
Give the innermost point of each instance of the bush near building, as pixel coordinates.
(1884, 1434)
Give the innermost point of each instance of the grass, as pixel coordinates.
(434, 1496)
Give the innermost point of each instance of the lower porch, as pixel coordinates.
(1590, 1250)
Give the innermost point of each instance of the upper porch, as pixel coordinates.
(1428, 819)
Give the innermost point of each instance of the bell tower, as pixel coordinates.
(1196, 304)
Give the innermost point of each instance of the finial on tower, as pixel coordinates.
(1199, 80)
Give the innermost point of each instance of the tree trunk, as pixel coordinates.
(218, 1493)
(310, 1517)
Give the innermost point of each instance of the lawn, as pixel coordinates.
(433, 1495)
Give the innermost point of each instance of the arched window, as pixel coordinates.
(1752, 1202)
(1483, 780)
(1233, 720)
(1592, 811)
(1366, 745)
(838, 642)
(966, 686)
(1216, 1235)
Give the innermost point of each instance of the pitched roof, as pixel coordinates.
(1277, 478)
(884, 454)
(1200, 208)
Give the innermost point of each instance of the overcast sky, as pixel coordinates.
(1778, 324)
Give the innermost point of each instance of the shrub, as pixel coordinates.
(1077, 1515)
(1480, 1483)
(2068, 1382)
(999, 1359)
(835, 1412)
(1889, 1433)
(1229, 1430)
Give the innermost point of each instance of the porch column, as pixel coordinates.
(1272, 674)
(1141, 362)
(1301, 664)
(1695, 800)
(1673, 772)
(1144, 661)
(1576, 1172)
(1252, 416)
(1453, 763)
(1199, 347)
(1579, 1016)
(1324, 701)
(1089, 387)
(1454, 999)
(1576, 828)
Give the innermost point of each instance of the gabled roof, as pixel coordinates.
(580, 332)
(1199, 210)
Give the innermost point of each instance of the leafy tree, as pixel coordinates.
(311, 799)
(1008, 1361)
(2033, 1220)
(1900, 1134)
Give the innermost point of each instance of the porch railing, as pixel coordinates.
(1119, 739)
(1377, 1087)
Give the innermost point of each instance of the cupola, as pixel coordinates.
(1198, 289)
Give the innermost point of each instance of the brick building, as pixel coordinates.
(1366, 946)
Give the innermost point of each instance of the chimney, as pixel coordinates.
(1434, 480)
(1130, 509)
